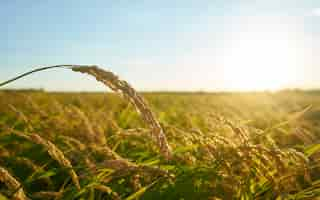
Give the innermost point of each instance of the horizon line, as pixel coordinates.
(163, 91)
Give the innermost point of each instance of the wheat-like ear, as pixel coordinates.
(114, 83)
(53, 151)
(12, 184)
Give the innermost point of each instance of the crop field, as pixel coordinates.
(222, 146)
(160, 100)
(160, 145)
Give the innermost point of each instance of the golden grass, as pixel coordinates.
(215, 152)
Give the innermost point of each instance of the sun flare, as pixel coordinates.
(260, 61)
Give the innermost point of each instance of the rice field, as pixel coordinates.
(159, 145)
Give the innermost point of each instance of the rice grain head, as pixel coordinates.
(12, 184)
(114, 83)
(53, 151)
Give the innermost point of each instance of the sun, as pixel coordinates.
(260, 61)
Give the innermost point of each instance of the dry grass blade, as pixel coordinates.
(113, 82)
(106, 151)
(107, 190)
(47, 195)
(12, 184)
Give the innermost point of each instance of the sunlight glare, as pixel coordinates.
(260, 61)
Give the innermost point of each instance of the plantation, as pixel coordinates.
(96, 146)
(178, 146)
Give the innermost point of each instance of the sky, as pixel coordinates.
(170, 45)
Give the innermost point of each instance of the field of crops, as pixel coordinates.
(97, 146)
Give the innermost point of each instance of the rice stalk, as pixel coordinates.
(22, 117)
(107, 190)
(114, 83)
(12, 184)
(53, 151)
(92, 136)
(72, 142)
(47, 195)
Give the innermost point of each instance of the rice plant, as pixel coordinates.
(176, 146)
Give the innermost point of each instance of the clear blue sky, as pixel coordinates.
(163, 45)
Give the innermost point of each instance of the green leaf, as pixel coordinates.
(185, 149)
(47, 174)
(310, 150)
(3, 197)
(140, 192)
